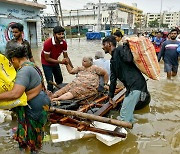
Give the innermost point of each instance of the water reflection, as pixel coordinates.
(156, 129)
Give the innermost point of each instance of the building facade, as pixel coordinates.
(132, 11)
(88, 18)
(120, 14)
(24, 12)
(172, 19)
(151, 17)
(112, 15)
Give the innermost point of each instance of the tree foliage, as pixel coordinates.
(164, 25)
(154, 23)
(137, 25)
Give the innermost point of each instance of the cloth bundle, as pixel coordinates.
(144, 55)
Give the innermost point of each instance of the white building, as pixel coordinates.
(81, 17)
(172, 19)
(89, 18)
(152, 16)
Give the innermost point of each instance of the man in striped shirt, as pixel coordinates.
(170, 54)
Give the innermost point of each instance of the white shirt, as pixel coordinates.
(103, 63)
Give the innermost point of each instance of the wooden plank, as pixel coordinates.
(85, 108)
(92, 117)
(65, 119)
(106, 107)
(81, 127)
(93, 129)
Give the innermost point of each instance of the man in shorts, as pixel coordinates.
(170, 54)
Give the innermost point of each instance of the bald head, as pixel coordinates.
(99, 54)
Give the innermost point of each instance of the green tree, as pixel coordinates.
(154, 23)
(137, 25)
(164, 25)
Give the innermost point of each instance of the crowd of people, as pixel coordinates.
(92, 75)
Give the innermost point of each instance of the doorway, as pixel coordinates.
(32, 34)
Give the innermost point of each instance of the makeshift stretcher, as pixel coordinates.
(86, 119)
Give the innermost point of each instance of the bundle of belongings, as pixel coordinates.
(7, 78)
(144, 55)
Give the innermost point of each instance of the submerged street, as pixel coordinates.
(156, 130)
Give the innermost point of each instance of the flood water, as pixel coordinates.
(157, 127)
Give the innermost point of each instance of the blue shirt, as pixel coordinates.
(169, 52)
(157, 41)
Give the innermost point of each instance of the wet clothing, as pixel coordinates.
(31, 118)
(124, 69)
(169, 68)
(85, 84)
(52, 69)
(169, 52)
(49, 72)
(12, 44)
(129, 103)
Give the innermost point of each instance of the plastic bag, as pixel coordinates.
(178, 48)
(7, 78)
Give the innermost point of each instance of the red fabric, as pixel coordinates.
(54, 50)
(157, 48)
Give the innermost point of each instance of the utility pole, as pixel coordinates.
(78, 25)
(160, 15)
(60, 10)
(56, 11)
(56, 6)
(99, 16)
(70, 24)
(111, 17)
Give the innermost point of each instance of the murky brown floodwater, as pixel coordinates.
(157, 128)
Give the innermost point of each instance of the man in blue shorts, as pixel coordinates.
(170, 54)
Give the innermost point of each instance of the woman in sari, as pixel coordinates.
(85, 84)
(33, 117)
